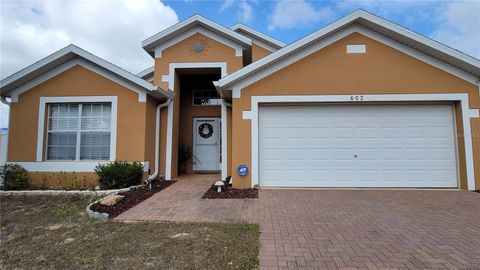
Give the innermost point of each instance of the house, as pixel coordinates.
(362, 102)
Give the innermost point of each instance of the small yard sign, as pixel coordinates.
(242, 170)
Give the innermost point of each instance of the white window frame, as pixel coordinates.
(201, 105)
(78, 131)
(76, 99)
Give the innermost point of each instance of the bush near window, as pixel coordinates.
(15, 177)
(119, 174)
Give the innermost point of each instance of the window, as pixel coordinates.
(79, 131)
(206, 98)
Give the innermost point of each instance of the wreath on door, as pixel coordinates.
(205, 130)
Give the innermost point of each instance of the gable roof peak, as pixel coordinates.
(66, 55)
(458, 60)
(239, 27)
(154, 41)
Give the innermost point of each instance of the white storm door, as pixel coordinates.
(357, 146)
(206, 144)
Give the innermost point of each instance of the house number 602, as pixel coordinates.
(356, 98)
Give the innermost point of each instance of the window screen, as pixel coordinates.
(79, 131)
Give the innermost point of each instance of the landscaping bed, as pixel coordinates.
(53, 232)
(231, 193)
(132, 198)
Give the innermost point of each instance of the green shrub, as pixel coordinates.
(119, 174)
(15, 177)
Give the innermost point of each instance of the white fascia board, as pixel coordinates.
(15, 93)
(114, 69)
(149, 43)
(142, 74)
(331, 28)
(419, 38)
(236, 87)
(65, 55)
(37, 65)
(202, 30)
(259, 36)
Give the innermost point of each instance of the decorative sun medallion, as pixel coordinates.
(199, 47)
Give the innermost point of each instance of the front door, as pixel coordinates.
(206, 144)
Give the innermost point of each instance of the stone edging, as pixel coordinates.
(90, 213)
(65, 192)
(93, 214)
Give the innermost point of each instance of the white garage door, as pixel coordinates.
(357, 146)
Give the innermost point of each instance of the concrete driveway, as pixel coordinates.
(338, 229)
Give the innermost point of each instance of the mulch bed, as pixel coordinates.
(231, 193)
(132, 198)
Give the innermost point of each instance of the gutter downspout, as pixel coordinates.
(4, 101)
(157, 141)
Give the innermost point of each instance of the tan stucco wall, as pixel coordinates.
(78, 81)
(382, 70)
(178, 53)
(259, 52)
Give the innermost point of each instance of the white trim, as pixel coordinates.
(142, 96)
(274, 67)
(359, 17)
(66, 166)
(196, 20)
(224, 128)
(467, 114)
(146, 72)
(63, 56)
(169, 143)
(198, 29)
(76, 99)
(171, 86)
(264, 45)
(270, 42)
(170, 77)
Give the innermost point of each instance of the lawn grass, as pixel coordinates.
(53, 232)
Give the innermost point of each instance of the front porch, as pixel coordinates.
(182, 202)
(198, 140)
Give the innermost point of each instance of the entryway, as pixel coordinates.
(199, 115)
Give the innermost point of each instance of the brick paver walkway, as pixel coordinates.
(338, 229)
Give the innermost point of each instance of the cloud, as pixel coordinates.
(226, 5)
(459, 27)
(297, 14)
(113, 30)
(244, 11)
(456, 24)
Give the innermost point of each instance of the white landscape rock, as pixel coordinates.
(111, 200)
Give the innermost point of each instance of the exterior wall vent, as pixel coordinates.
(357, 48)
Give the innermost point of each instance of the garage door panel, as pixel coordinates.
(395, 146)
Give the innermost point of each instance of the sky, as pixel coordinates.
(113, 29)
